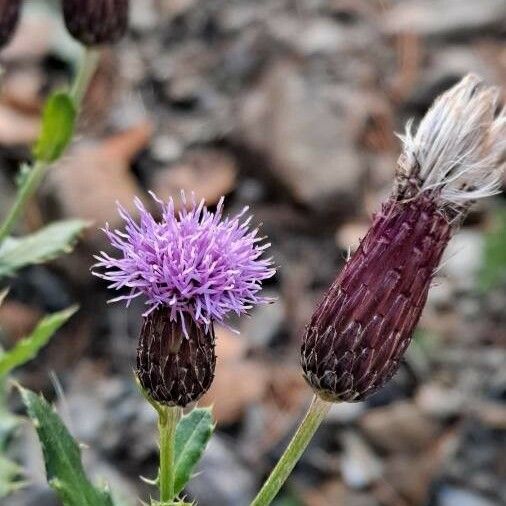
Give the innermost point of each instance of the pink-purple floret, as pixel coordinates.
(195, 262)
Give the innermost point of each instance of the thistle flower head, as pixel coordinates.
(361, 329)
(95, 22)
(194, 262)
(9, 16)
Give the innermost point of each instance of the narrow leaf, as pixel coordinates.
(27, 348)
(62, 456)
(192, 435)
(41, 246)
(58, 119)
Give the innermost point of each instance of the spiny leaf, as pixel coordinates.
(58, 119)
(62, 456)
(27, 348)
(192, 435)
(41, 246)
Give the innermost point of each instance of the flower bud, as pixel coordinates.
(360, 331)
(175, 362)
(95, 22)
(9, 16)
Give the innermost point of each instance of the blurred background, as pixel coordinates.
(289, 107)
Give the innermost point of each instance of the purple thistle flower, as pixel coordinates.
(361, 329)
(195, 262)
(193, 268)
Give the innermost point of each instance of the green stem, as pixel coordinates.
(314, 417)
(87, 67)
(30, 184)
(168, 418)
(86, 70)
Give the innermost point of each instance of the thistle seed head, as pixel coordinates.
(173, 368)
(458, 151)
(9, 16)
(95, 22)
(359, 332)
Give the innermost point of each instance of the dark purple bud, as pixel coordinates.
(364, 324)
(9, 16)
(360, 331)
(95, 22)
(175, 368)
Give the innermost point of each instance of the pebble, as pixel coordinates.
(360, 468)
(453, 496)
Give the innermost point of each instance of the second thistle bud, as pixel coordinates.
(95, 22)
(9, 16)
(175, 368)
(360, 331)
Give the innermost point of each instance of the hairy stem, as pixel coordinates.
(307, 428)
(168, 418)
(36, 172)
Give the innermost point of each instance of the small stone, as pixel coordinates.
(236, 484)
(303, 137)
(209, 174)
(264, 322)
(440, 402)
(359, 466)
(166, 148)
(445, 18)
(463, 258)
(399, 427)
(349, 235)
(346, 412)
(93, 177)
(453, 496)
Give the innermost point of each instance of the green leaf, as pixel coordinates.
(62, 456)
(58, 120)
(494, 257)
(192, 435)
(41, 246)
(10, 473)
(27, 348)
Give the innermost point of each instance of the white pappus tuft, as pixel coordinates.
(459, 148)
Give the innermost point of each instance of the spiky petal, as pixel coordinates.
(196, 263)
(360, 331)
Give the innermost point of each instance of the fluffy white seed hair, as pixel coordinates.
(459, 148)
